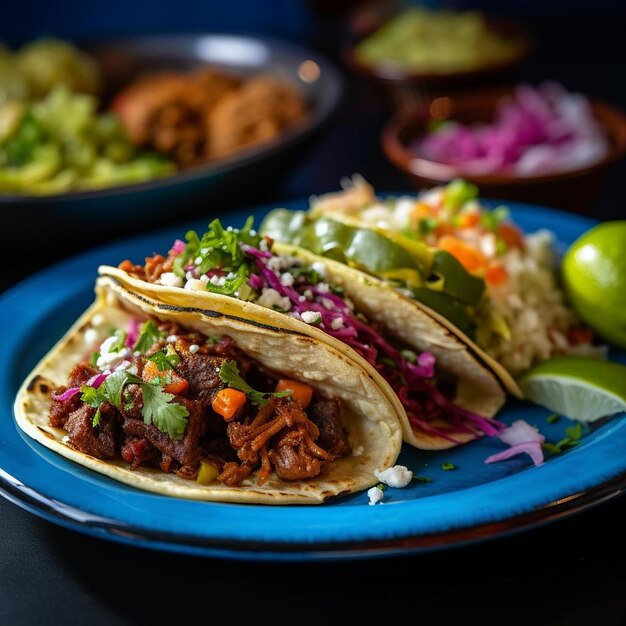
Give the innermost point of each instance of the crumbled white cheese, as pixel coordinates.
(172, 338)
(319, 267)
(137, 353)
(375, 495)
(308, 294)
(328, 303)
(111, 359)
(124, 365)
(311, 317)
(281, 262)
(286, 279)
(270, 298)
(91, 336)
(193, 348)
(397, 476)
(302, 298)
(171, 280)
(204, 278)
(65, 439)
(218, 281)
(322, 287)
(337, 323)
(198, 260)
(488, 245)
(195, 284)
(97, 320)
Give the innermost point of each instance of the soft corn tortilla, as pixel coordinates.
(371, 419)
(478, 389)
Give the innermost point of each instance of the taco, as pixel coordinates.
(477, 273)
(201, 404)
(445, 396)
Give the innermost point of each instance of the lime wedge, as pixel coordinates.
(581, 388)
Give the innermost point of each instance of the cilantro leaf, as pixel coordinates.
(148, 336)
(93, 360)
(574, 432)
(423, 479)
(229, 374)
(165, 360)
(120, 340)
(552, 419)
(94, 398)
(114, 385)
(447, 466)
(158, 409)
(219, 248)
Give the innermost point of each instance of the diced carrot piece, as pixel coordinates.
(444, 229)
(511, 235)
(300, 392)
(495, 274)
(227, 402)
(177, 385)
(469, 257)
(469, 220)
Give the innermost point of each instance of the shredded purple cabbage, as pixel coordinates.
(414, 383)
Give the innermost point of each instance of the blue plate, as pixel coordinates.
(472, 502)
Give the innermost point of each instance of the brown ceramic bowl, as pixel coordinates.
(575, 190)
(403, 89)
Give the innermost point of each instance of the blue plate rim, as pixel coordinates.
(401, 540)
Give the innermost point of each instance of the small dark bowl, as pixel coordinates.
(403, 89)
(93, 216)
(575, 190)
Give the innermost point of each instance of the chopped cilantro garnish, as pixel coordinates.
(552, 419)
(388, 361)
(423, 479)
(93, 361)
(447, 466)
(219, 248)
(381, 486)
(114, 384)
(212, 341)
(574, 432)
(148, 336)
(229, 374)
(120, 340)
(165, 360)
(158, 409)
(426, 225)
(94, 398)
(409, 355)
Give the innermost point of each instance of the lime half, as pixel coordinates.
(581, 388)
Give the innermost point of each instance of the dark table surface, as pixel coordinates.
(567, 572)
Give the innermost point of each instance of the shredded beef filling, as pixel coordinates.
(278, 437)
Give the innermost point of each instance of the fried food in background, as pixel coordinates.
(206, 114)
